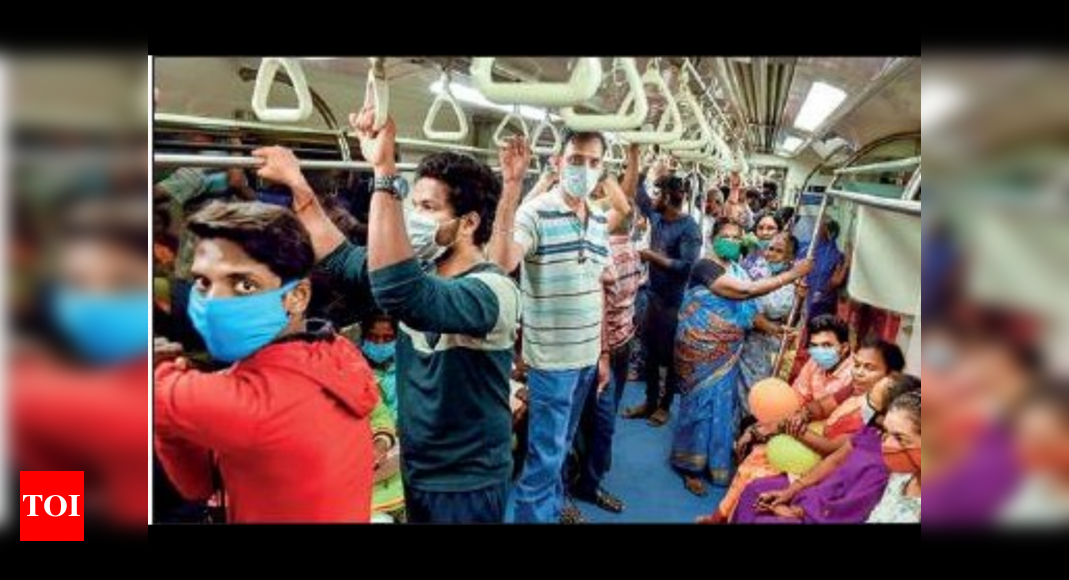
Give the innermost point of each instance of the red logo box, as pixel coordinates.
(52, 506)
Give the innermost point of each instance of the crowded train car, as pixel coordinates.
(537, 290)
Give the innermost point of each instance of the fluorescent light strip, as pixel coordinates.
(791, 144)
(821, 101)
(472, 96)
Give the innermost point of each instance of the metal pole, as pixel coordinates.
(884, 166)
(187, 121)
(912, 208)
(913, 186)
(223, 161)
(796, 306)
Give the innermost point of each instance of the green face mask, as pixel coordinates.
(727, 249)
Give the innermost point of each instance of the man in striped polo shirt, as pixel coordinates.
(561, 239)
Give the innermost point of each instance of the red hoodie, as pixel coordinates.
(289, 427)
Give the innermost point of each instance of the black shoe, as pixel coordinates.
(571, 515)
(603, 500)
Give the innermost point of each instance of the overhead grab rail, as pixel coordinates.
(621, 121)
(265, 79)
(165, 120)
(445, 98)
(660, 136)
(699, 115)
(499, 135)
(583, 84)
(542, 127)
(226, 162)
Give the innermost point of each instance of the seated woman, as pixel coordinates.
(848, 484)
(844, 408)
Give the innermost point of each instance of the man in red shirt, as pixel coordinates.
(287, 423)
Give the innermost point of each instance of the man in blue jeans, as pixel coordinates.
(561, 239)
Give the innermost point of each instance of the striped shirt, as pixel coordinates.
(620, 312)
(561, 282)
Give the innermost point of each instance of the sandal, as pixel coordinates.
(658, 418)
(640, 412)
(695, 485)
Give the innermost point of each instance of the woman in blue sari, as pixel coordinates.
(717, 311)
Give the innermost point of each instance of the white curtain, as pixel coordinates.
(886, 268)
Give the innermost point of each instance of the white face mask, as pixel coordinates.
(579, 181)
(423, 235)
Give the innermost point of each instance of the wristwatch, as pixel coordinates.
(395, 185)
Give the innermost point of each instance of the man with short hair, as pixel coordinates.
(561, 239)
(459, 313)
(287, 422)
(674, 247)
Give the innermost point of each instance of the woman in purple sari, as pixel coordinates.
(846, 486)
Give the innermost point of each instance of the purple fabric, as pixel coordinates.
(975, 491)
(846, 496)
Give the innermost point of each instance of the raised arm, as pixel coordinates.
(732, 287)
(503, 247)
(281, 166)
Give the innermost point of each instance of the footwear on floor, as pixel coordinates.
(658, 418)
(604, 500)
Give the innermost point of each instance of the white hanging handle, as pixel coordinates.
(379, 91)
(659, 136)
(499, 136)
(617, 153)
(445, 97)
(583, 84)
(691, 103)
(265, 78)
(544, 125)
(620, 121)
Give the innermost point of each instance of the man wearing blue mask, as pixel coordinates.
(561, 238)
(425, 267)
(295, 393)
(830, 367)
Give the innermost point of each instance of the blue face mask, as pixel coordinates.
(778, 268)
(826, 357)
(104, 328)
(235, 328)
(216, 182)
(379, 353)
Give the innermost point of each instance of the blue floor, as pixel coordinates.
(642, 478)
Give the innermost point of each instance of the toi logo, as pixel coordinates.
(52, 503)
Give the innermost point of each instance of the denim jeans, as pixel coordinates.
(554, 407)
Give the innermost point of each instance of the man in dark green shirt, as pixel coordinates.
(425, 266)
